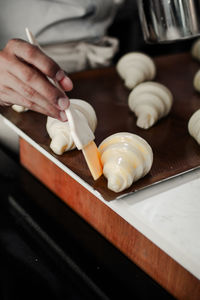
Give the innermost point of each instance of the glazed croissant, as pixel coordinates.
(125, 157)
(150, 101)
(135, 68)
(194, 126)
(59, 131)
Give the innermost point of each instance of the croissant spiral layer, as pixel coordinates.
(195, 51)
(125, 157)
(196, 81)
(59, 131)
(135, 67)
(194, 126)
(150, 101)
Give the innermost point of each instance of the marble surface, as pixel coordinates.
(167, 213)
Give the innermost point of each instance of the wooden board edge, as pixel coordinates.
(150, 258)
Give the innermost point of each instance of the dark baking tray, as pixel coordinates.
(175, 151)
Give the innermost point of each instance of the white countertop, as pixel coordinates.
(167, 213)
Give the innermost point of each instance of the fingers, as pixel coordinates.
(64, 81)
(35, 81)
(4, 103)
(25, 90)
(11, 83)
(10, 97)
(25, 69)
(33, 55)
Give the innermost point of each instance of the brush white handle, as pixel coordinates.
(33, 41)
(125, 157)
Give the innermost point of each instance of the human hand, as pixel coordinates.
(23, 80)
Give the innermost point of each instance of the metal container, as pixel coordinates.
(169, 20)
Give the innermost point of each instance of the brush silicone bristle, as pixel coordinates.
(92, 157)
(83, 138)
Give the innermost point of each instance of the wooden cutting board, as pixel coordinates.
(175, 151)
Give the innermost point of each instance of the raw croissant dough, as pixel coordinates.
(195, 51)
(125, 157)
(194, 126)
(196, 54)
(150, 101)
(19, 108)
(196, 81)
(135, 68)
(59, 131)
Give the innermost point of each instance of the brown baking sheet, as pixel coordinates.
(175, 151)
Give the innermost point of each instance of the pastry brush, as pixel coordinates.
(81, 132)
